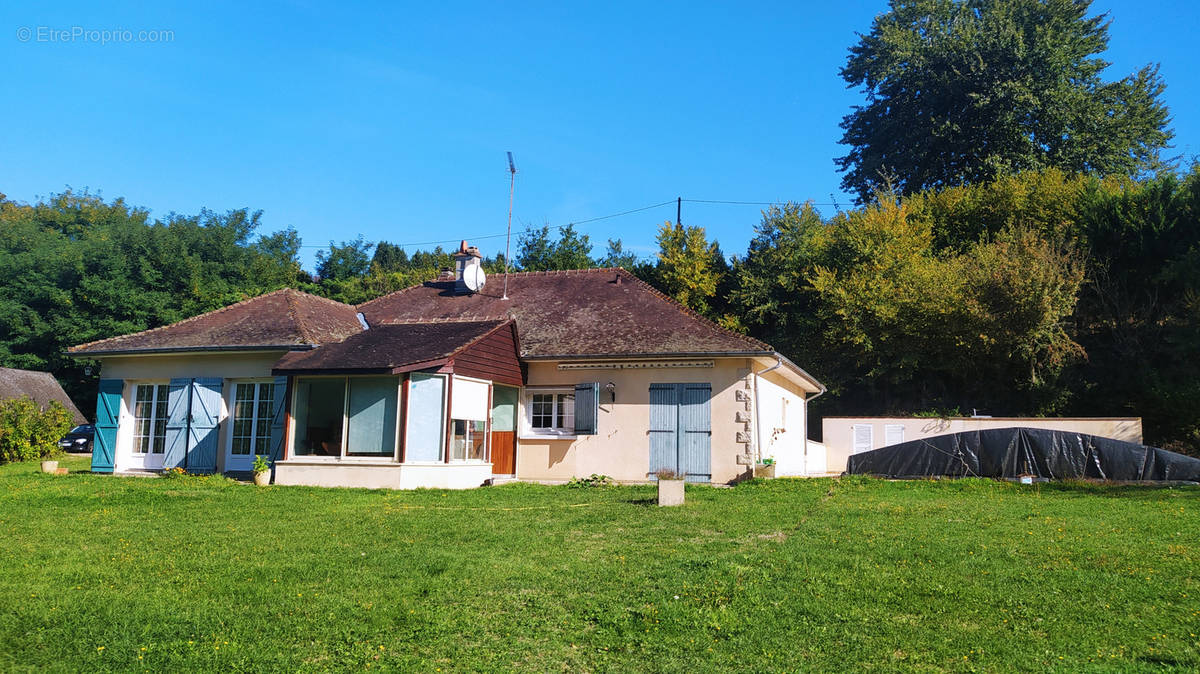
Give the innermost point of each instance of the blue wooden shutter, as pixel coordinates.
(202, 429)
(587, 408)
(108, 417)
(664, 424)
(278, 406)
(695, 432)
(178, 399)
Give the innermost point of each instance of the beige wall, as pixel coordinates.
(837, 433)
(621, 447)
(163, 367)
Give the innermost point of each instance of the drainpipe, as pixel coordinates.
(757, 410)
(807, 400)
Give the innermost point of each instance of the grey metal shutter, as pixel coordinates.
(587, 407)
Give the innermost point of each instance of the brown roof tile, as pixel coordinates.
(284, 318)
(385, 348)
(41, 387)
(571, 313)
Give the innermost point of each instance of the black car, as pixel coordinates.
(79, 439)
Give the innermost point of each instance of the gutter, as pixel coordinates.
(190, 349)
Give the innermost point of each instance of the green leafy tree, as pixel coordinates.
(347, 261)
(538, 251)
(686, 269)
(616, 256)
(963, 91)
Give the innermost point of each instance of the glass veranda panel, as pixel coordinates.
(372, 416)
(320, 406)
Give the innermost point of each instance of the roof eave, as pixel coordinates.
(92, 353)
(799, 371)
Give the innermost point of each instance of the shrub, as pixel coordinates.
(28, 432)
(593, 480)
(668, 474)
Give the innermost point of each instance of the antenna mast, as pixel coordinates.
(512, 184)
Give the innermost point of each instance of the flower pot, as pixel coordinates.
(49, 467)
(767, 471)
(670, 492)
(262, 479)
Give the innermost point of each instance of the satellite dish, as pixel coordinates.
(474, 278)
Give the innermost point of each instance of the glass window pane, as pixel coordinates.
(458, 441)
(320, 403)
(543, 410)
(477, 443)
(372, 416)
(566, 412)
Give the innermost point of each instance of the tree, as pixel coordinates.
(389, 257)
(340, 263)
(685, 266)
(537, 251)
(963, 91)
(615, 256)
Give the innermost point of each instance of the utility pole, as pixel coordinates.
(678, 210)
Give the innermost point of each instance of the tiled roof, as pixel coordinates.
(41, 387)
(285, 318)
(571, 313)
(384, 348)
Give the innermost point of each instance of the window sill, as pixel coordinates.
(548, 436)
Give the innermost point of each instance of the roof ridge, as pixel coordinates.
(688, 311)
(550, 272)
(294, 314)
(450, 319)
(189, 319)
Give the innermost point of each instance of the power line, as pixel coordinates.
(596, 219)
(752, 203)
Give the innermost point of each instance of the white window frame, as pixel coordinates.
(559, 430)
(231, 415)
(888, 430)
(487, 439)
(133, 398)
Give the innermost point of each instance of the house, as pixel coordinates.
(844, 436)
(41, 387)
(452, 383)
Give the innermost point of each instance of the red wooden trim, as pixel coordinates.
(404, 418)
(449, 416)
(412, 367)
(487, 430)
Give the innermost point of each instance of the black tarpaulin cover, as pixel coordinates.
(1012, 452)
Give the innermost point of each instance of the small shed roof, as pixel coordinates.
(41, 387)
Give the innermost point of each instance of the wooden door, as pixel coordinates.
(504, 430)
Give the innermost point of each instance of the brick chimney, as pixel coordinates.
(468, 270)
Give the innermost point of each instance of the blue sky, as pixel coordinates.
(392, 120)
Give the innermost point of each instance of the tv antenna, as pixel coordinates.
(512, 184)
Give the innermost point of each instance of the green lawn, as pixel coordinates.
(205, 574)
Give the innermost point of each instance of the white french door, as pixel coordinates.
(251, 432)
(149, 426)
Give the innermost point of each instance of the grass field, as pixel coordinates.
(103, 573)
